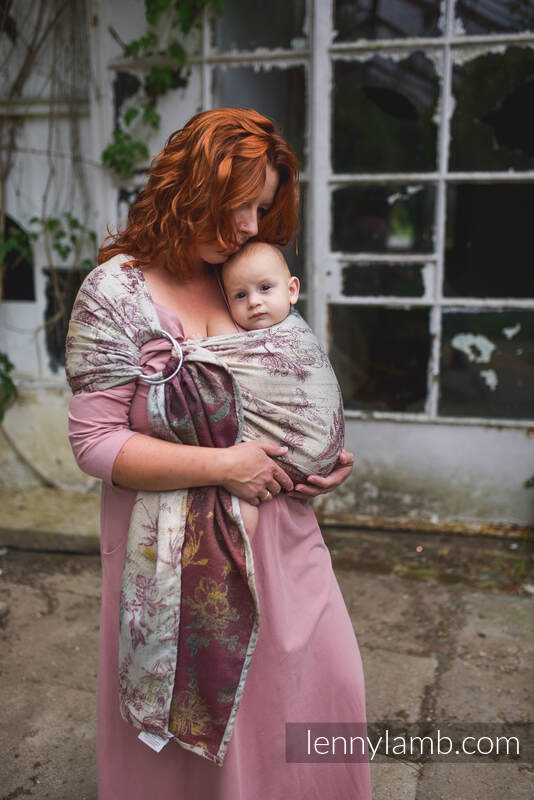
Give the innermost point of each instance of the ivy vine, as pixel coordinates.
(8, 390)
(68, 238)
(128, 149)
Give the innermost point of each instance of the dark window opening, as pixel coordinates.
(489, 240)
(496, 16)
(367, 19)
(242, 25)
(18, 281)
(383, 219)
(401, 280)
(125, 86)
(493, 122)
(384, 115)
(380, 356)
(61, 289)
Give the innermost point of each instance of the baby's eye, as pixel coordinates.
(265, 287)
(240, 295)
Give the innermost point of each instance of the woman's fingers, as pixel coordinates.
(252, 472)
(279, 474)
(346, 458)
(304, 492)
(316, 484)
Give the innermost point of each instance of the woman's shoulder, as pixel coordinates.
(118, 275)
(116, 268)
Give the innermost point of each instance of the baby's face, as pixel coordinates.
(259, 288)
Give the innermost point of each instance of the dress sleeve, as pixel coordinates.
(99, 426)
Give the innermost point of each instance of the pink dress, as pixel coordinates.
(306, 667)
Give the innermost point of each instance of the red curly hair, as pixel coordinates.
(215, 164)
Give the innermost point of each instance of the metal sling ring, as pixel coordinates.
(152, 379)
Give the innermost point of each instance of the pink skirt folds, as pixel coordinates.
(306, 667)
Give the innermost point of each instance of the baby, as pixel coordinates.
(259, 288)
(260, 291)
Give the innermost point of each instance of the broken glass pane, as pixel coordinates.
(277, 93)
(487, 364)
(380, 356)
(368, 19)
(495, 16)
(493, 124)
(489, 240)
(383, 114)
(383, 218)
(400, 280)
(242, 25)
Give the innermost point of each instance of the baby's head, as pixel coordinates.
(259, 286)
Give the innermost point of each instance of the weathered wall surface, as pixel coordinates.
(36, 428)
(438, 474)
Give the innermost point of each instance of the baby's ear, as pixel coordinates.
(294, 288)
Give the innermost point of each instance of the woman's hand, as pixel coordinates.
(319, 485)
(252, 474)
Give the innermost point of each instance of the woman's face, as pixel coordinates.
(246, 220)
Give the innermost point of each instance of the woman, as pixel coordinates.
(226, 177)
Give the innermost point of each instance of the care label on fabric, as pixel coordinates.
(154, 741)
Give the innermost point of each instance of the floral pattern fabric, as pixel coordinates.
(189, 609)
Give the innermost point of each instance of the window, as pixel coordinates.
(429, 308)
(17, 278)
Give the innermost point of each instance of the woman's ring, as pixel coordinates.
(268, 496)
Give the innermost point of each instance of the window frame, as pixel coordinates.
(322, 264)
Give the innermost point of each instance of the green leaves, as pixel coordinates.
(8, 390)
(66, 236)
(16, 241)
(154, 9)
(124, 153)
(145, 45)
(127, 150)
(158, 81)
(177, 51)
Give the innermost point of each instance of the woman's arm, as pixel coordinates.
(246, 469)
(105, 446)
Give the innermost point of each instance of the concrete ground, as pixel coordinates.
(444, 623)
